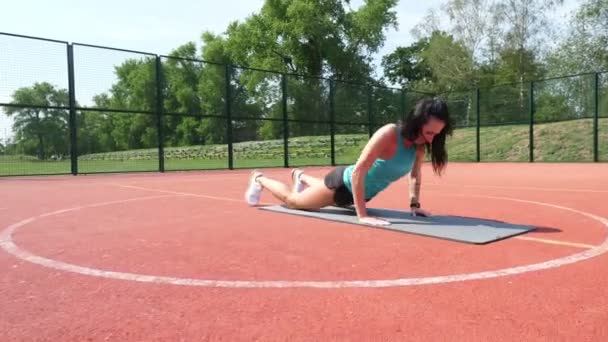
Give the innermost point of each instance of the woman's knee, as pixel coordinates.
(292, 201)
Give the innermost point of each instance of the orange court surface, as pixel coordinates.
(179, 256)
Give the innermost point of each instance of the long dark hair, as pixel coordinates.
(411, 129)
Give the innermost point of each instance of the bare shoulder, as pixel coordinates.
(384, 136)
(388, 131)
(377, 144)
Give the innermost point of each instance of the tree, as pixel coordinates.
(525, 20)
(451, 64)
(523, 61)
(406, 65)
(474, 23)
(318, 38)
(38, 129)
(182, 74)
(487, 27)
(583, 50)
(135, 90)
(585, 46)
(477, 24)
(95, 129)
(213, 92)
(469, 21)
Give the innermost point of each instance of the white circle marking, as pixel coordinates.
(6, 242)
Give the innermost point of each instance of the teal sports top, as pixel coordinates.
(384, 172)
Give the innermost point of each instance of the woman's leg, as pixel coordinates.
(311, 180)
(301, 180)
(315, 196)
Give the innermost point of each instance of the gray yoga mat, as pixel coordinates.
(456, 228)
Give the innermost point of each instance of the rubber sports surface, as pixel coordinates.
(181, 257)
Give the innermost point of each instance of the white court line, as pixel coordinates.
(9, 246)
(527, 238)
(519, 188)
(180, 193)
(554, 242)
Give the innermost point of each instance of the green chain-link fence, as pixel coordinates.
(562, 119)
(77, 108)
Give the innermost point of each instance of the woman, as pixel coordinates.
(392, 152)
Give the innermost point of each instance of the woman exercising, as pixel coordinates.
(392, 152)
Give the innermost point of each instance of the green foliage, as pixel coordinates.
(451, 64)
(314, 38)
(554, 142)
(517, 65)
(485, 43)
(585, 46)
(41, 130)
(406, 64)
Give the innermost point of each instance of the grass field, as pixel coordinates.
(570, 141)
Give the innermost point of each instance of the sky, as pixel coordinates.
(157, 28)
(149, 26)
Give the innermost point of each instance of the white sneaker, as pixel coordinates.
(254, 189)
(298, 186)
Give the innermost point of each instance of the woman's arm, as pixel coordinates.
(379, 141)
(415, 177)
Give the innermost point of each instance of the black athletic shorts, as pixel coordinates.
(334, 180)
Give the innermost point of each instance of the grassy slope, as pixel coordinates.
(563, 141)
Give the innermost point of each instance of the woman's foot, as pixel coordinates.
(298, 186)
(254, 189)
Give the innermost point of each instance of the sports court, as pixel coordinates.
(128, 137)
(180, 256)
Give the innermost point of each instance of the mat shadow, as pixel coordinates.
(547, 230)
(405, 217)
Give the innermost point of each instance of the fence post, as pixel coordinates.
(596, 110)
(72, 116)
(478, 125)
(228, 105)
(531, 110)
(285, 122)
(159, 114)
(370, 120)
(332, 123)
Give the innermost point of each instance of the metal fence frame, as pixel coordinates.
(531, 86)
(229, 69)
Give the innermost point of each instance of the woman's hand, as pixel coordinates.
(373, 221)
